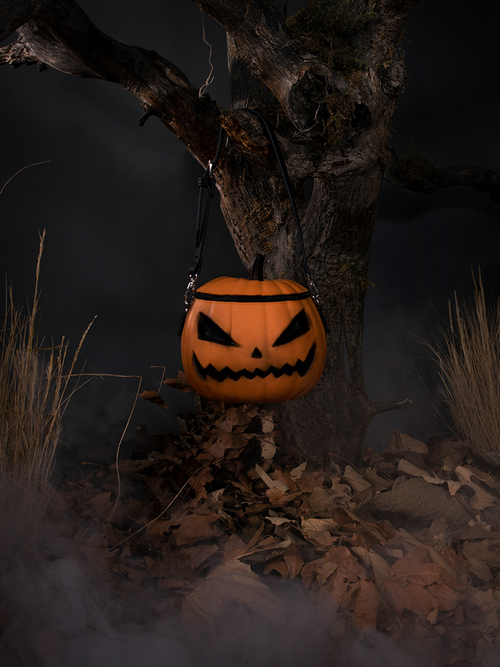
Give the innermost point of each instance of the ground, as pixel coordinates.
(223, 523)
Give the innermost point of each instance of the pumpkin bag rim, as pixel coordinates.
(251, 298)
(229, 287)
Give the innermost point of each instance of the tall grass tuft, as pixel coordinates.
(34, 392)
(468, 359)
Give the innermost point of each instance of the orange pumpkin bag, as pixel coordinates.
(255, 340)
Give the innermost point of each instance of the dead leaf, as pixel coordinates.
(485, 477)
(268, 547)
(324, 571)
(268, 450)
(448, 598)
(283, 476)
(402, 442)
(349, 567)
(181, 383)
(482, 598)
(413, 597)
(308, 571)
(395, 553)
(317, 524)
(411, 568)
(378, 483)
(318, 530)
(201, 553)
(258, 549)
(159, 527)
(481, 498)
(455, 561)
(381, 568)
(474, 531)
(309, 482)
(487, 653)
(355, 480)
(294, 560)
(458, 616)
(153, 397)
(228, 440)
(298, 471)
(268, 423)
(453, 486)
(480, 558)
(341, 492)
(449, 575)
(366, 606)
(278, 520)
(234, 417)
(449, 452)
(343, 591)
(232, 581)
(102, 505)
(278, 565)
(131, 467)
(270, 483)
(410, 469)
(276, 495)
(318, 502)
(196, 527)
(198, 483)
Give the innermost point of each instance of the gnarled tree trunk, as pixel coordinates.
(337, 219)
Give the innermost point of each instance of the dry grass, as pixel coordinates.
(34, 391)
(469, 370)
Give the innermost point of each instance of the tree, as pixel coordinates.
(328, 79)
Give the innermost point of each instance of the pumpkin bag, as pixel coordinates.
(255, 340)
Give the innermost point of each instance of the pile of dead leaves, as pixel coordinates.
(408, 545)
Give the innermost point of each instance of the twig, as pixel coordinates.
(115, 375)
(119, 447)
(35, 164)
(161, 513)
(210, 77)
(162, 376)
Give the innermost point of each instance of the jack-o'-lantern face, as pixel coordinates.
(253, 341)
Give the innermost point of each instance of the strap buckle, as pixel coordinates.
(189, 293)
(313, 289)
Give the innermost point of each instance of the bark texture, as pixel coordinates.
(328, 81)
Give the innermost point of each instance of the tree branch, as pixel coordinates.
(35, 45)
(376, 407)
(418, 174)
(63, 37)
(14, 13)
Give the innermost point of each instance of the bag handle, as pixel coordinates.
(206, 183)
(207, 188)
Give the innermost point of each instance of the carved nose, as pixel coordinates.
(256, 354)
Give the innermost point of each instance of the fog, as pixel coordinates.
(53, 613)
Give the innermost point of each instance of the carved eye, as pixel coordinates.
(297, 327)
(208, 330)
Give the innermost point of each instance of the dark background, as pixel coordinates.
(119, 203)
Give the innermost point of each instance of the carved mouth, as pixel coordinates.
(301, 367)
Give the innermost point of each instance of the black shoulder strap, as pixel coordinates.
(284, 172)
(207, 189)
(206, 183)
